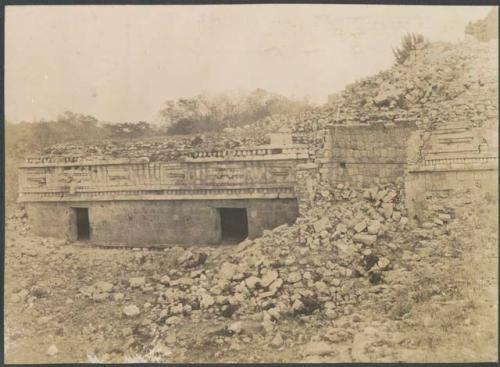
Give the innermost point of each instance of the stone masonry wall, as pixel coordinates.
(139, 223)
(420, 185)
(484, 29)
(366, 155)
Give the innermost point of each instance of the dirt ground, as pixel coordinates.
(439, 304)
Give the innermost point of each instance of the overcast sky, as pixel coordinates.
(120, 63)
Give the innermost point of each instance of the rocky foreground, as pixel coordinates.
(353, 280)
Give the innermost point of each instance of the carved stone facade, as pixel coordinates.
(264, 173)
(453, 158)
(128, 202)
(182, 201)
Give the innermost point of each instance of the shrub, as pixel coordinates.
(408, 44)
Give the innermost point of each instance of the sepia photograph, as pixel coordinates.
(251, 183)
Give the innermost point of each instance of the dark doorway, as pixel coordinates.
(233, 224)
(82, 224)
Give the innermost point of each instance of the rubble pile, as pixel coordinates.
(302, 122)
(341, 254)
(321, 265)
(166, 149)
(153, 149)
(18, 219)
(439, 83)
(352, 264)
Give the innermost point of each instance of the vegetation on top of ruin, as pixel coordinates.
(409, 43)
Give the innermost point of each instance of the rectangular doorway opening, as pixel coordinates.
(233, 224)
(82, 224)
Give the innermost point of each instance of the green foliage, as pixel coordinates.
(214, 112)
(409, 44)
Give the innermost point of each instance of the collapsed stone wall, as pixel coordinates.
(356, 157)
(165, 149)
(484, 29)
(448, 90)
(440, 85)
(161, 149)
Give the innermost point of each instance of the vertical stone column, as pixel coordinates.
(307, 176)
(414, 186)
(324, 159)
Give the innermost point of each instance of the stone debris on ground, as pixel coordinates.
(316, 273)
(131, 310)
(342, 283)
(52, 350)
(265, 280)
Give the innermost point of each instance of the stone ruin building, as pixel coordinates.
(428, 126)
(200, 197)
(197, 196)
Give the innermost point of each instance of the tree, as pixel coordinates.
(214, 112)
(131, 130)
